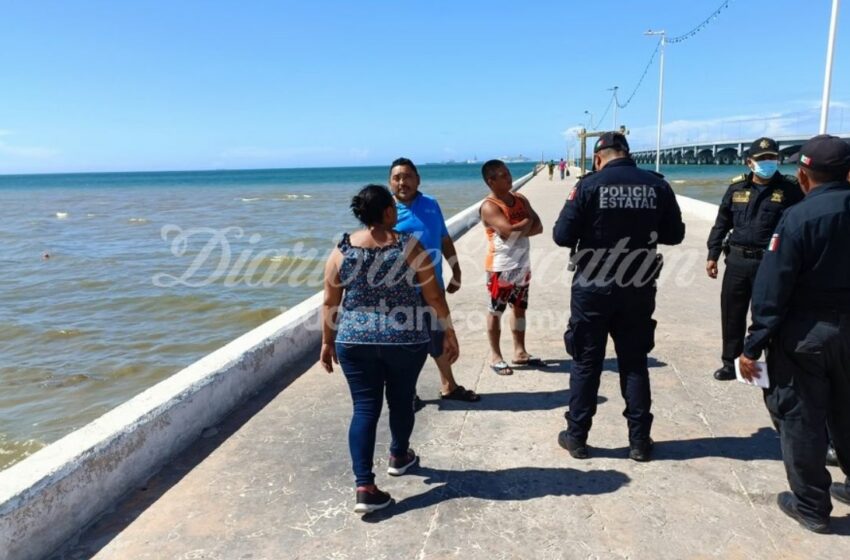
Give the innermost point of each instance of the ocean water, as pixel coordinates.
(111, 282)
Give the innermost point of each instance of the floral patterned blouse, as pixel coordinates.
(380, 304)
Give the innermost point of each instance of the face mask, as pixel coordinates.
(765, 169)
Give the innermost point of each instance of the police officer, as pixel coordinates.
(612, 221)
(801, 315)
(751, 208)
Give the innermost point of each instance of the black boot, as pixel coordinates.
(725, 373)
(577, 449)
(841, 491)
(831, 456)
(788, 504)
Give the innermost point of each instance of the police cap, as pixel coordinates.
(611, 140)
(825, 153)
(763, 146)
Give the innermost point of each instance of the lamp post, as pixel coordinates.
(589, 114)
(614, 89)
(663, 35)
(827, 78)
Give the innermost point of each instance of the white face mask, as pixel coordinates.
(765, 168)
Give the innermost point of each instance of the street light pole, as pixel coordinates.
(827, 78)
(663, 35)
(614, 89)
(590, 125)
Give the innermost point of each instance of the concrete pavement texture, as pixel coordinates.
(275, 480)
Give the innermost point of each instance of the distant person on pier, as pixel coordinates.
(372, 326)
(420, 215)
(551, 167)
(509, 220)
(750, 209)
(562, 167)
(801, 316)
(614, 218)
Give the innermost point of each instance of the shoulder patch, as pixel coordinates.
(738, 178)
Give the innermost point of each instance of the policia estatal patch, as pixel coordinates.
(741, 197)
(615, 197)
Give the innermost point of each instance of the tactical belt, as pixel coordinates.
(746, 252)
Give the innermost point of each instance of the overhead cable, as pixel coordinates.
(701, 26)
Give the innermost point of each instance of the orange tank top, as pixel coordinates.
(507, 254)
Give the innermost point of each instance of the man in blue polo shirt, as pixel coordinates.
(420, 215)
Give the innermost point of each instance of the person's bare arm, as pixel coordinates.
(330, 310)
(420, 262)
(536, 225)
(449, 251)
(494, 218)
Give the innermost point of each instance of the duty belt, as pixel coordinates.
(746, 252)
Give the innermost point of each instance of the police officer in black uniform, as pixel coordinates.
(751, 208)
(612, 221)
(801, 315)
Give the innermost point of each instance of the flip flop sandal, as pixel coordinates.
(502, 368)
(461, 393)
(532, 361)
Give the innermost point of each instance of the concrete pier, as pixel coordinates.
(273, 480)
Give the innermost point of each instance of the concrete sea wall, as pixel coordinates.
(50, 496)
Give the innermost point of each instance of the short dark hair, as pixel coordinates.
(406, 162)
(490, 166)
(819, 176)
(369, 204)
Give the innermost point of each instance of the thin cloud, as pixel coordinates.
(738, 127)
(23, 152)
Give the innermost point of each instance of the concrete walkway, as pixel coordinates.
(275, 481)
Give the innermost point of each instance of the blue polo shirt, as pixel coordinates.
(424, 219)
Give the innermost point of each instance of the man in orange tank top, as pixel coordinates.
(509, 221)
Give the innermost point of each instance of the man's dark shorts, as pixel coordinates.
(435, 346)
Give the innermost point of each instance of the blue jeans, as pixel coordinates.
(369, 368)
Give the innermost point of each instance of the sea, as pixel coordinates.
(110, 282)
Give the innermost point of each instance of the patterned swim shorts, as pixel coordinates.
(508, 287)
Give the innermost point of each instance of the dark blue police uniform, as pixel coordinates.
(613, 220)
(801, 316)
(751, 211)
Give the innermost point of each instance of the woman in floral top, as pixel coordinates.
(373, 327)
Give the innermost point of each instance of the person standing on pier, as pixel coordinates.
(372, 326)
(801, 316)
(615, 218)
(750, 209)
(509, 220)
(420, 215)
(562, 167)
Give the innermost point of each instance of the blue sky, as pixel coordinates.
(132, 85)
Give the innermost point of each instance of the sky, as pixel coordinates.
(163, 85)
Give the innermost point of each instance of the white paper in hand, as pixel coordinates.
(760, 381)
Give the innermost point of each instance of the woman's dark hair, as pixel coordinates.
(369, 204)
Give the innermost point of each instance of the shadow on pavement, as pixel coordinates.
(522, 483)
(563, 366)
(761, 445)
(514, 401)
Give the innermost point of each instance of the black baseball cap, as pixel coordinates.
(825, 153)
(612, 140)
(763, 146)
